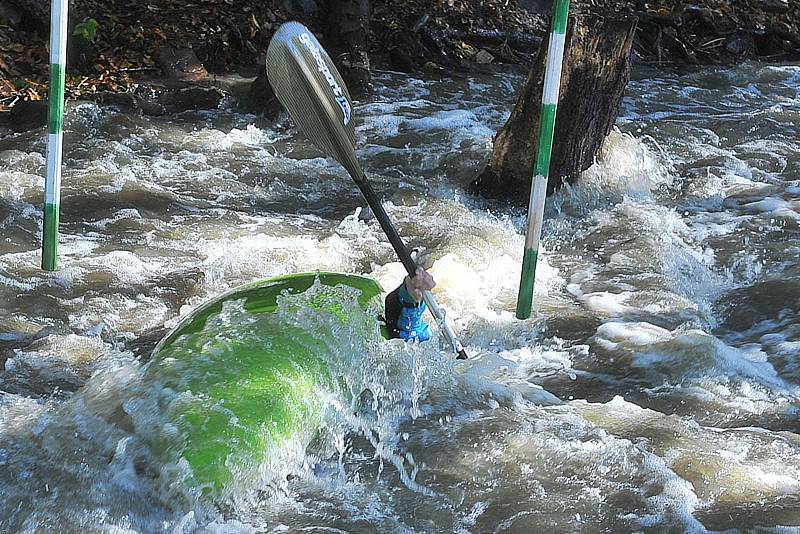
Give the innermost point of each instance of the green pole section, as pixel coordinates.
(55, 124)
(547, 124)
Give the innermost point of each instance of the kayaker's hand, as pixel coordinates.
(420, 283)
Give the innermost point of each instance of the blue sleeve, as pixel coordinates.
(410, 324)
(404, 316)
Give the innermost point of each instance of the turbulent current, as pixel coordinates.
(656, 387)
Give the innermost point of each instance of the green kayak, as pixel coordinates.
(247, 372)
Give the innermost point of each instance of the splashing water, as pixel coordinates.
(655, 388)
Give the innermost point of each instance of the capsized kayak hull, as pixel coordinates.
(243, 373)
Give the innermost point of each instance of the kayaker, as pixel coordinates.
(404, 308)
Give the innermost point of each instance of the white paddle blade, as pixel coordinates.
(308, 85)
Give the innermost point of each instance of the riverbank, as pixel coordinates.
(127, 55)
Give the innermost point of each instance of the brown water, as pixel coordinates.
(655, 389)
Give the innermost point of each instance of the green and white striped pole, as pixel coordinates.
(55, 122)
(547, 123)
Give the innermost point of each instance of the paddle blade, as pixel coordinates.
(308, 85)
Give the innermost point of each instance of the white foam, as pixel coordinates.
(237, 260)
(130, 316)
(15, 185)
(126, 267)
(460, 124)
(217, 140)
(564, 440)
(774, 207)
(637, 334)
(125, 213)
(691, 355)
(607, 303)
(626, 167)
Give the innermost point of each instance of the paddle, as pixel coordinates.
(308, 85)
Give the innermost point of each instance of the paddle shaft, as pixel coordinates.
(407, 261)
(387, 226)
(307, 83)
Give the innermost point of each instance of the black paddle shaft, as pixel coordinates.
(401, 250)
(307, 83)
(386, 224)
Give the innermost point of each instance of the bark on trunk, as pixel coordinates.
(596, 70)
(35, 8)
(346, 40)
(35, 14)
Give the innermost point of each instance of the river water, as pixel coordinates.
(656, 387)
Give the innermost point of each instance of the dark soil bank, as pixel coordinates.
(163, 55)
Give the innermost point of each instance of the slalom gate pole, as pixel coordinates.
(547, 122)
(55, 129)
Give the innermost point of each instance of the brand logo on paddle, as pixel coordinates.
(325, 71)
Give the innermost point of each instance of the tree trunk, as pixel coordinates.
(346, 38)
(595, 72)
(35, 14)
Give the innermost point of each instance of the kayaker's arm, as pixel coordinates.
(404, 307)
